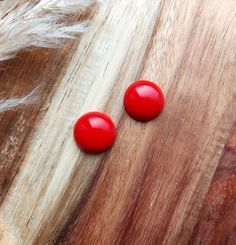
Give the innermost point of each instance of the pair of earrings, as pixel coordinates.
(95, 132)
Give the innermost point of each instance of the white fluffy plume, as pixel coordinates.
(37, 23)
(11, 103)
(40, 23)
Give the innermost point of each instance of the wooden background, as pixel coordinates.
(169, 181)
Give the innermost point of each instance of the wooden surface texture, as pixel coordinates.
(170, 181)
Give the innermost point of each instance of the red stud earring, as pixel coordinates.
(94, 132)
(144, 100)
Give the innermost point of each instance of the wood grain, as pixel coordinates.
(16, 79)
(217, 218)
(149, 189)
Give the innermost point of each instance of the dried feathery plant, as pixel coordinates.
(36, 23)
(11, 103)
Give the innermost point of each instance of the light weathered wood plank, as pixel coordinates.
(53, 163)
(42, 69)
(16, 79)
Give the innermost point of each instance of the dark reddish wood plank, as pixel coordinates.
(217, 220)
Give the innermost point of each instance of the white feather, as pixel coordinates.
(40, 23)
(9, 104)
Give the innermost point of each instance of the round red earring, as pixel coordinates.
(144, 100)
(94, 132)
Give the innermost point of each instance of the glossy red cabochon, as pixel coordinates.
(94, 132)
(144, 100)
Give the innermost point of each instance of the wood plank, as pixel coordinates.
(16, 126)
(47, 67)
(217, 219)
(151, 192)
(150, 187)
(91, 68)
